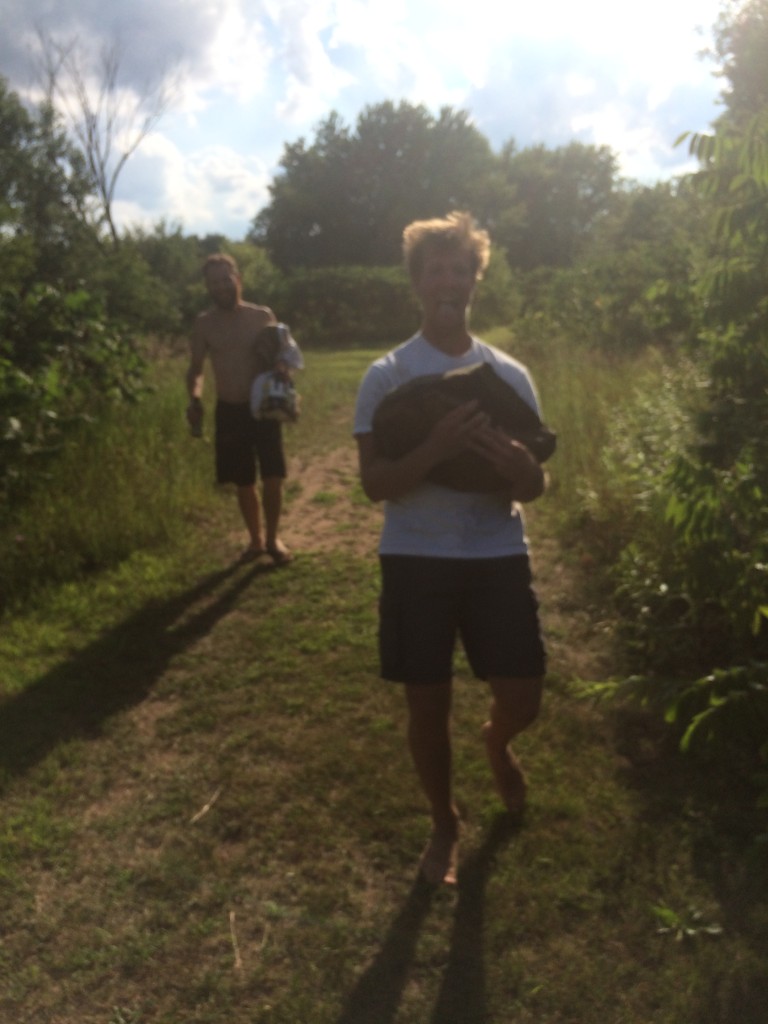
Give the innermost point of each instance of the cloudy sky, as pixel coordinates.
(248, 76)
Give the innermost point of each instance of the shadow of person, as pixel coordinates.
(462, 996)
(113, 673)
(377, 994)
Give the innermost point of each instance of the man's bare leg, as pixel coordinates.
(248, 501)
(514, 707)
(272, 495)
(429, 740)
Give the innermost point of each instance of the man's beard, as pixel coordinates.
(228, 301)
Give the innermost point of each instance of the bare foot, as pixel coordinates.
(440, 859)
(251, 554)
(507, 773)
(279, 553)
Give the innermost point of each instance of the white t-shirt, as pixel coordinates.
(432, 520)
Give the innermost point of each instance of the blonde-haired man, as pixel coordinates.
(457, 231)
(454, 564)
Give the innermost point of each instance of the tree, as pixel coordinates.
(555, 200)
(633, 283)
(61, 356)
(345, 199)
(734, 167)
(741, 33)
(717, 490)
(108, 122)
(44, 189)
(174, 290)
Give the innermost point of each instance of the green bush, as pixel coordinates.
(367, 307)
(60, 363)
(113, 485)
(346, 307)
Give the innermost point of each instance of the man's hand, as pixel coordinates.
(511, 460)
(454, 433)
(195, 417)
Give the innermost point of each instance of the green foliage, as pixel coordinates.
(727, 709)
(60, 362)
(734, 182)
(740, 37)
(349, 306)
(115, 483)
(633, 283)
(146, 281)
(498, 297)
(692, 583)
(688, 925)
(697, 602)
(621, 422)
(556, 198)
(339, 307)
(345, 199)
(44, 190)
(718, 505)
(263, 283)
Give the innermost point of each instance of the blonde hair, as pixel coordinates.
(456, 231)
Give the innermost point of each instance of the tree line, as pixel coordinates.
(611, 261)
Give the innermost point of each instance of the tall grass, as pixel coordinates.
(135, 479)
(619, 419)
(328, 386)
(132, 480)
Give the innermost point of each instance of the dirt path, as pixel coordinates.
(326, 512)
(323, 512)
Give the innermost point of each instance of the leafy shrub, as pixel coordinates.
(338, 307)
(622, 421)
(362, 307)
(60, 362)
(723, 705)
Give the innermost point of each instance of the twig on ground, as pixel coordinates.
(206, 807)
(235, 947)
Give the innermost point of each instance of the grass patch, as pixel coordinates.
(209, 816)
(134, 480)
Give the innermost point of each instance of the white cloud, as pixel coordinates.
(236, 184)
(256, 74)
(211, 190)
(311, 81)
(239, 53)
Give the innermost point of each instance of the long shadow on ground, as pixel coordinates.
(112, 674)
(462, 998)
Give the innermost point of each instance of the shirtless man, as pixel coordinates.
(227, 335)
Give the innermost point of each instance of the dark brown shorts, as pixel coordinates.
(488, 603)
(242, 442)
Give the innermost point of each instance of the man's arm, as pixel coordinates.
(387, 479)
(197, 353)
(465, 427)
(195, 378)
(512, 461)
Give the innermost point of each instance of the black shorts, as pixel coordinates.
(241, 440)
(489, 603)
